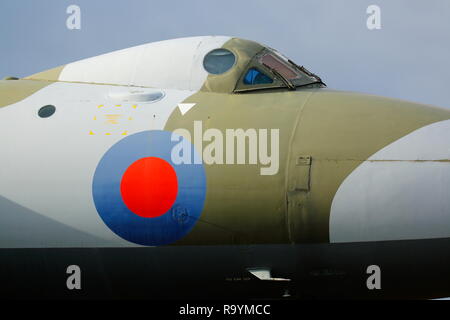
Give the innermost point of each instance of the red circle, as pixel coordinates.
(149, 187)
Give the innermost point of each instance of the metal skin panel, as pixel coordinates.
(395, 178)
(341, 130)
(240, 202)
(174, 64)
(47, 165)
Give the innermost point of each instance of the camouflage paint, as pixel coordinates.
(338, 130)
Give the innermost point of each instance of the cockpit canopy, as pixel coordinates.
(270, 69)
(213, 63)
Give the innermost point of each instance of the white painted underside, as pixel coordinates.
(408, 198)
(175, 64)
(47, 165)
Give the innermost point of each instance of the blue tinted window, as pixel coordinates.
(219, 61)
(254, 76)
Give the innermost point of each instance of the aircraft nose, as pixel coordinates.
(369, 168)
(399, 192)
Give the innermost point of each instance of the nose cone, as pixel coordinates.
(400, 192)
(375, 162)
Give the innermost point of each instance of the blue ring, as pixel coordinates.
(172, 225)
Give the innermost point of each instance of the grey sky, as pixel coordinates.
(407, 58)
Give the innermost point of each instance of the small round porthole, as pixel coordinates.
(46, 111)
(219, 61)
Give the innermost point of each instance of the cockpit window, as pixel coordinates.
(219, 61)
(269, 69)
(254, 76)
(276, 63)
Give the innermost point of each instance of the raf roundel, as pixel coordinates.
(142, 196)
